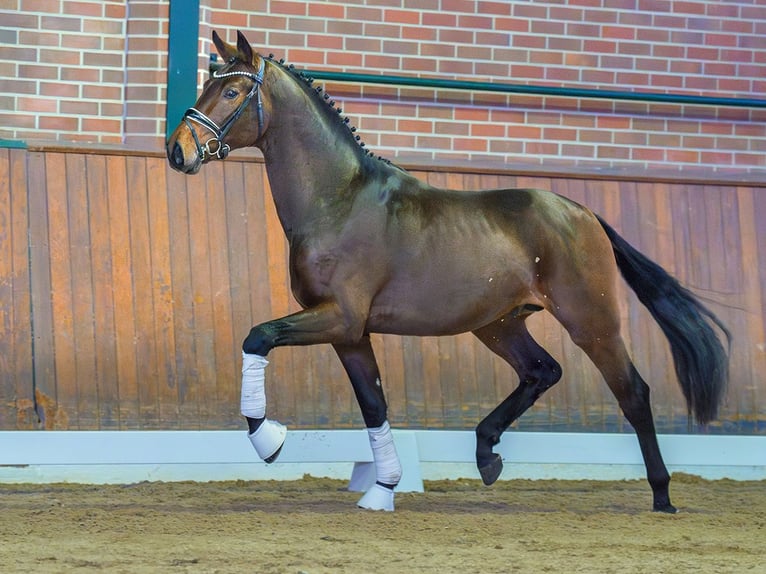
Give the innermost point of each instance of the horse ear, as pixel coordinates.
(227, 51)
(245, 50)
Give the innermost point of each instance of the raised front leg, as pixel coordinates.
(321, 324)
(359, 361)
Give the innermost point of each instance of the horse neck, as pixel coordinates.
(312, 165)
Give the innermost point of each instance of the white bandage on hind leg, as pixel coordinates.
(388, 469)
(253, 398)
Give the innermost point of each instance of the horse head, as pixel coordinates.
(229, 114)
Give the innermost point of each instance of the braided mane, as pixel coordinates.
(322, 96)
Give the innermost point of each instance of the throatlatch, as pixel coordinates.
(269, 437)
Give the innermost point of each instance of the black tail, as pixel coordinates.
(702, 363)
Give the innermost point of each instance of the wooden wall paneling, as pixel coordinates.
(218, 375)
(124, 294)
(183, 301)
(143, 283)
(226, 372)
(61, 292)
(23, 365)
(83, 309)
(139, 187)
(8, 313)
(727, 300)
(414, 376)
(759, 367)
(40, 279)
(16, 402)
(246, 279)
(106, 377)
(202, 386)
(161, 328)
(752, 265)
(667, 398)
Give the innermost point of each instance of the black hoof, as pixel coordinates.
(666, 508)
(274, 456)
(491, 472)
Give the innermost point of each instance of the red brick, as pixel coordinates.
(644, 154)
(401, 16)
(419, 64)
(716, 158)
(419, 33)
(292, 8)
(469, 144)
(525, 132)
(487, 130)
(58, 123)
(325, 10)
(512, 24)
(380, 30)
(541, 148)
(578, 150)
(439, 19)
(498, 8)
(506, 146)
(39, 6)
(38, 72)
(60, 90)
(101, 125)
(400, 47)
(305, 57)
(99, 92)
(468, 6)
(324, 42)
(82, 8)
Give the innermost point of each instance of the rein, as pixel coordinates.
(221, 149)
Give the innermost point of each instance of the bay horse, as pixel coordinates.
(375, 250)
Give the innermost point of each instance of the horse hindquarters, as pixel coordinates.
(581, 295)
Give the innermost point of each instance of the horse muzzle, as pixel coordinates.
(180, 162)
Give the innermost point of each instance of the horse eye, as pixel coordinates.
(230, 94)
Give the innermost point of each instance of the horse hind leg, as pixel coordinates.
(597, 333)
(537, 370)
(632, 394)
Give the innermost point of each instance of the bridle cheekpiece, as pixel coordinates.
(220, 149)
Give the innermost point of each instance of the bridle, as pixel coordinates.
(221, 149)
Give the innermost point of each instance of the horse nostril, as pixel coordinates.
(177, 156)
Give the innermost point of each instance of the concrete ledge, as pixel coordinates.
(132, 456)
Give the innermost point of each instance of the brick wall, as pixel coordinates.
(61, 74)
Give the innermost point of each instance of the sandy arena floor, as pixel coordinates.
(312, 526)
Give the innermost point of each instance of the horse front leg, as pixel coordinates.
(359, 361)
(321, 324)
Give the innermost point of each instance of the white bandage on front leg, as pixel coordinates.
(388, 470)
(253, 398)
(270, 435)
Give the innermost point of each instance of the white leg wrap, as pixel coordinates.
(253, 398)
(269, 437)
(388, 469)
